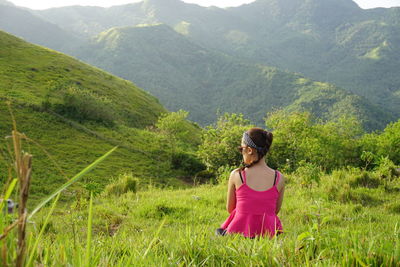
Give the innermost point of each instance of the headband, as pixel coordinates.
(247, 140)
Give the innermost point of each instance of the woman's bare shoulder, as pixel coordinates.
(234, 176)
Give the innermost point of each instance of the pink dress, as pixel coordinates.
(254, 214)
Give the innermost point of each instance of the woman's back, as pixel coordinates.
(255, 212)
(255, 193)
(259, 179)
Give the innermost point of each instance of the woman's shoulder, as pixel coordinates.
(235, 171)
(234, 176)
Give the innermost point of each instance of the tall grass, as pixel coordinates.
(176, 227)
(22, 163)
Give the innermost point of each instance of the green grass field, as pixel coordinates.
(350, 219)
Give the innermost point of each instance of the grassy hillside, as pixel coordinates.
(184, 75)
(76, 113)
(350, 219)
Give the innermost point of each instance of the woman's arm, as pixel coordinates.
(231, 195)
(281, 189)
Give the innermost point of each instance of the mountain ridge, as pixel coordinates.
(208, 81)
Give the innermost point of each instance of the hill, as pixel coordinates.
(185, 75)
(76, 113)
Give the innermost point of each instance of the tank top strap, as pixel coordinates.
(244, 176)
(277, 177)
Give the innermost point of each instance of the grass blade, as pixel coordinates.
(89, 231)
(71, 181)
(8, 192)
(154, 238)
(42, 230)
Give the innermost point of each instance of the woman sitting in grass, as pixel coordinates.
(255, 192)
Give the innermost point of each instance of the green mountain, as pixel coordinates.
(75, 113)
(184, 75)
(334, 41)
(331, 40)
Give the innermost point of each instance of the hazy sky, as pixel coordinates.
(42, 4)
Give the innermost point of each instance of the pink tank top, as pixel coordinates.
(254, 214)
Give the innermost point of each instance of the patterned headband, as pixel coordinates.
(247, 140)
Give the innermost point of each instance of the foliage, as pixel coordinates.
(386, 168)
(178, 130)
(125, 183)
(311, 173)
(187, 162)
(384, 144)
(83, 105)
(204, 176)
(220, 141)
(298, 137)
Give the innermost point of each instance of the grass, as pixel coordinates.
(176, 227)
(46, 89)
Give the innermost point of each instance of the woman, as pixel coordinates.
(255, 192)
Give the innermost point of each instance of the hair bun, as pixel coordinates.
(269, 137)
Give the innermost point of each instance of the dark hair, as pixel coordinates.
(261, 138)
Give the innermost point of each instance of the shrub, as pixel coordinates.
(205, 176)
(93, 187)
(386, 168)
(178, 129)
(125, 183)
(299, 136)
(223, 174)
(83, 105)
(220, 142)
(308, 173)
(364, 179)
(186, 162)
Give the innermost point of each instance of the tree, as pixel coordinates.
(220, 142)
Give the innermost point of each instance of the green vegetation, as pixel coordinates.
(355, 50)
(73, 113)
(348, 216)
(136, 208)
(332, 41)
(343, 221)
(301, 140)
(185, 75)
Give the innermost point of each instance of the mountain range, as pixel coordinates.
(209, 59)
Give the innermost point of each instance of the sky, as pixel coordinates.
(43, 4)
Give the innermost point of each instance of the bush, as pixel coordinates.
(125, 183)
(186, 162)
(386, 168)
(364, 179)
(299, 136)
(308, 173)
(205, 176)
(223, 174)
(220, 142)
(83, 105)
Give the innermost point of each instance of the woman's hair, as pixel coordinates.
(263, 140)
